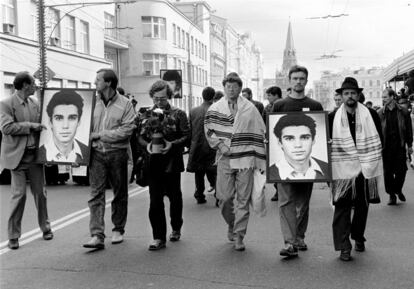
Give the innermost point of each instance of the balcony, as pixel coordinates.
(114, 39)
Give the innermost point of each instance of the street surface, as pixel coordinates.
(204, 258)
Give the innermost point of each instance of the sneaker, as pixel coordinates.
(401, 197)
(289, 251)
(48, 235)
(359, 246)
(117, 237)
(156, 244)
(239, 245)
(95, 243)
(300, 245)
(175, 236)
(345, 255)
(13, 244)
(392, 201)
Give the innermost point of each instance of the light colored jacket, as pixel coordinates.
(114, 123)
(15, 130)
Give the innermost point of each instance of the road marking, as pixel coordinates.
(63, 222)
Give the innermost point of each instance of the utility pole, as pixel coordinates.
(42, 45)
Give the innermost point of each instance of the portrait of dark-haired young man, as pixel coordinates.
(296, 137)
(64, 112)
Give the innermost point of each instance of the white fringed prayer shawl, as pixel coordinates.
(349, 160)
(244, 134)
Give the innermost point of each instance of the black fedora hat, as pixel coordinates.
(349, 83)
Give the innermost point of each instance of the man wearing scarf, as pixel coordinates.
(236, 129)
(356, 167)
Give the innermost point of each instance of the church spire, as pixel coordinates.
(289, 54)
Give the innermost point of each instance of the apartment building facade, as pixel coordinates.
(76, 42)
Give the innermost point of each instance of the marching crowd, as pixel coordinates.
(226, 137)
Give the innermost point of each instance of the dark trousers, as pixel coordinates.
(199, 181)
(165, 184)
(27, 170)
(110, 166)
(344, 224)
(394, 175)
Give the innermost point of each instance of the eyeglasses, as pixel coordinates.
(160, 99)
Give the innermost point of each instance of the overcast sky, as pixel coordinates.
(374, 34)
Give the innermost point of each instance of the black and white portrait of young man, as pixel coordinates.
(298, 148)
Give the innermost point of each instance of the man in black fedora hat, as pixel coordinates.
(356, 167)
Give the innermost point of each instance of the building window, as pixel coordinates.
(153, 63)
(174, 35)
(70, 42)
(53, 27)
(363, 83)
(378, 82)
(187, 42)
(153, 27)
(370, 83)
(110, 25)
(175, 62)
(9, 12)
(183, 39)
(84, 37)
(192, 45)
(178, 36)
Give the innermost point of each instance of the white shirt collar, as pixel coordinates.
(53, 153)
(287, 172)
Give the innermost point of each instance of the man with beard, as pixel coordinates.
(356, 166)
(294, 197)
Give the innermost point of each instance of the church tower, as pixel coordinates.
(289, 59)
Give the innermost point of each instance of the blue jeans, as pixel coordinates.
(110, 166)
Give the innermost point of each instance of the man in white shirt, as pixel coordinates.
(296, 137)
(65, 111)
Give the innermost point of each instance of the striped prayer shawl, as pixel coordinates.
(243, 134)
(350, 158)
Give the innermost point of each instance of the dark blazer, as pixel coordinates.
(274, 171)
(82, 160)
(16, 130)
(201, 155)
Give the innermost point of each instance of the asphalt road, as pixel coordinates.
(204, 258)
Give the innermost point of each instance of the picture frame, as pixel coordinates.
(174, 77)
(67, 115)
(297, 149)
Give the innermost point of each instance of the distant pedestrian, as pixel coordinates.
(248, 94)
(273, 93)
(294, 198)
(235, 128)
(112, 126)
(165, 167)
(20, 127)
(356, 167)
(337, 100)
(201, 157)
(398, 135)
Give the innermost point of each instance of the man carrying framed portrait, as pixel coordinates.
(294, 196)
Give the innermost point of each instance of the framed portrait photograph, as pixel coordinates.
(298, 147)
(67, 115)
(174, 77)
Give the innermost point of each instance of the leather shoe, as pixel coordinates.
(175, 236)
(13, 244)
(392, 201)
(95, 243)
(239, 245)
(231, 235)
(289, 251)
(48, 235)
(345, 255)
(359, 246)
(401, 197)
(117, 237)
(156, 244)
